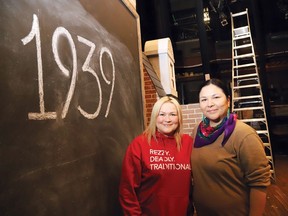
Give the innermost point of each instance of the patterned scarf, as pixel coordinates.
(207, 134)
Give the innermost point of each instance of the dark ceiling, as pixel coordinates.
(177, 19)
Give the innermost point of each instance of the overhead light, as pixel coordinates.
(206, 15)
(217, 6)
(223, 18)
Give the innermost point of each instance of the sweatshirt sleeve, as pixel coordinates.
(130, 180)
(254, 162)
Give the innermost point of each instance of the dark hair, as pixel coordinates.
(217, 83)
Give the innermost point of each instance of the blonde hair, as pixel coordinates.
(151, 129)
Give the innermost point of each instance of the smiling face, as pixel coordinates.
(213, 103)
(167, 119)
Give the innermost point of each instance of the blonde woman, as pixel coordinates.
(156, 173)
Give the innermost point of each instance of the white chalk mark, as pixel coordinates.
(86, 68)
(60, 31)
(106, 50)
(35, 32)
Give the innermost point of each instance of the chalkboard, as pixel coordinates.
(71, 102)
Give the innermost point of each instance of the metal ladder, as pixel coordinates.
(247, 97)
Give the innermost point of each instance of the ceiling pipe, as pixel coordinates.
(203, 39)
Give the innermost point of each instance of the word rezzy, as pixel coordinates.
(160, 159)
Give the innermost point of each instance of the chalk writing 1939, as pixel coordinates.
(61, 31)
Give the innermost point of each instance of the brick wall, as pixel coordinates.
(150, 95)
(192, 115)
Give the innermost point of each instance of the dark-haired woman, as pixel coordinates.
(230, 168)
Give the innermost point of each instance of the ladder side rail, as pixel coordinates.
(243, 57)
(233, 66)
(262, 98)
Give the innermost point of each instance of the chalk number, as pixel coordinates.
(61, 31)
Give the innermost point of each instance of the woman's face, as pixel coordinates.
(213, 103)
(167, 119)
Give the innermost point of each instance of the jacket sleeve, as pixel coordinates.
(130, 180)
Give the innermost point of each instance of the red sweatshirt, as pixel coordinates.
(156, 178)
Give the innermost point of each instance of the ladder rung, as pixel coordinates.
(272, 172)
(239, 31)
(245, 65)
(262, 132)
(242, 28)
(242, 46)
(239, 14)
(246, 86)
(244, 56)
(253, 120)
(249, 102)
(246, 75)
(241, 37)
(267, 145)
(248, 79)
(247, 97)
(248, 108)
